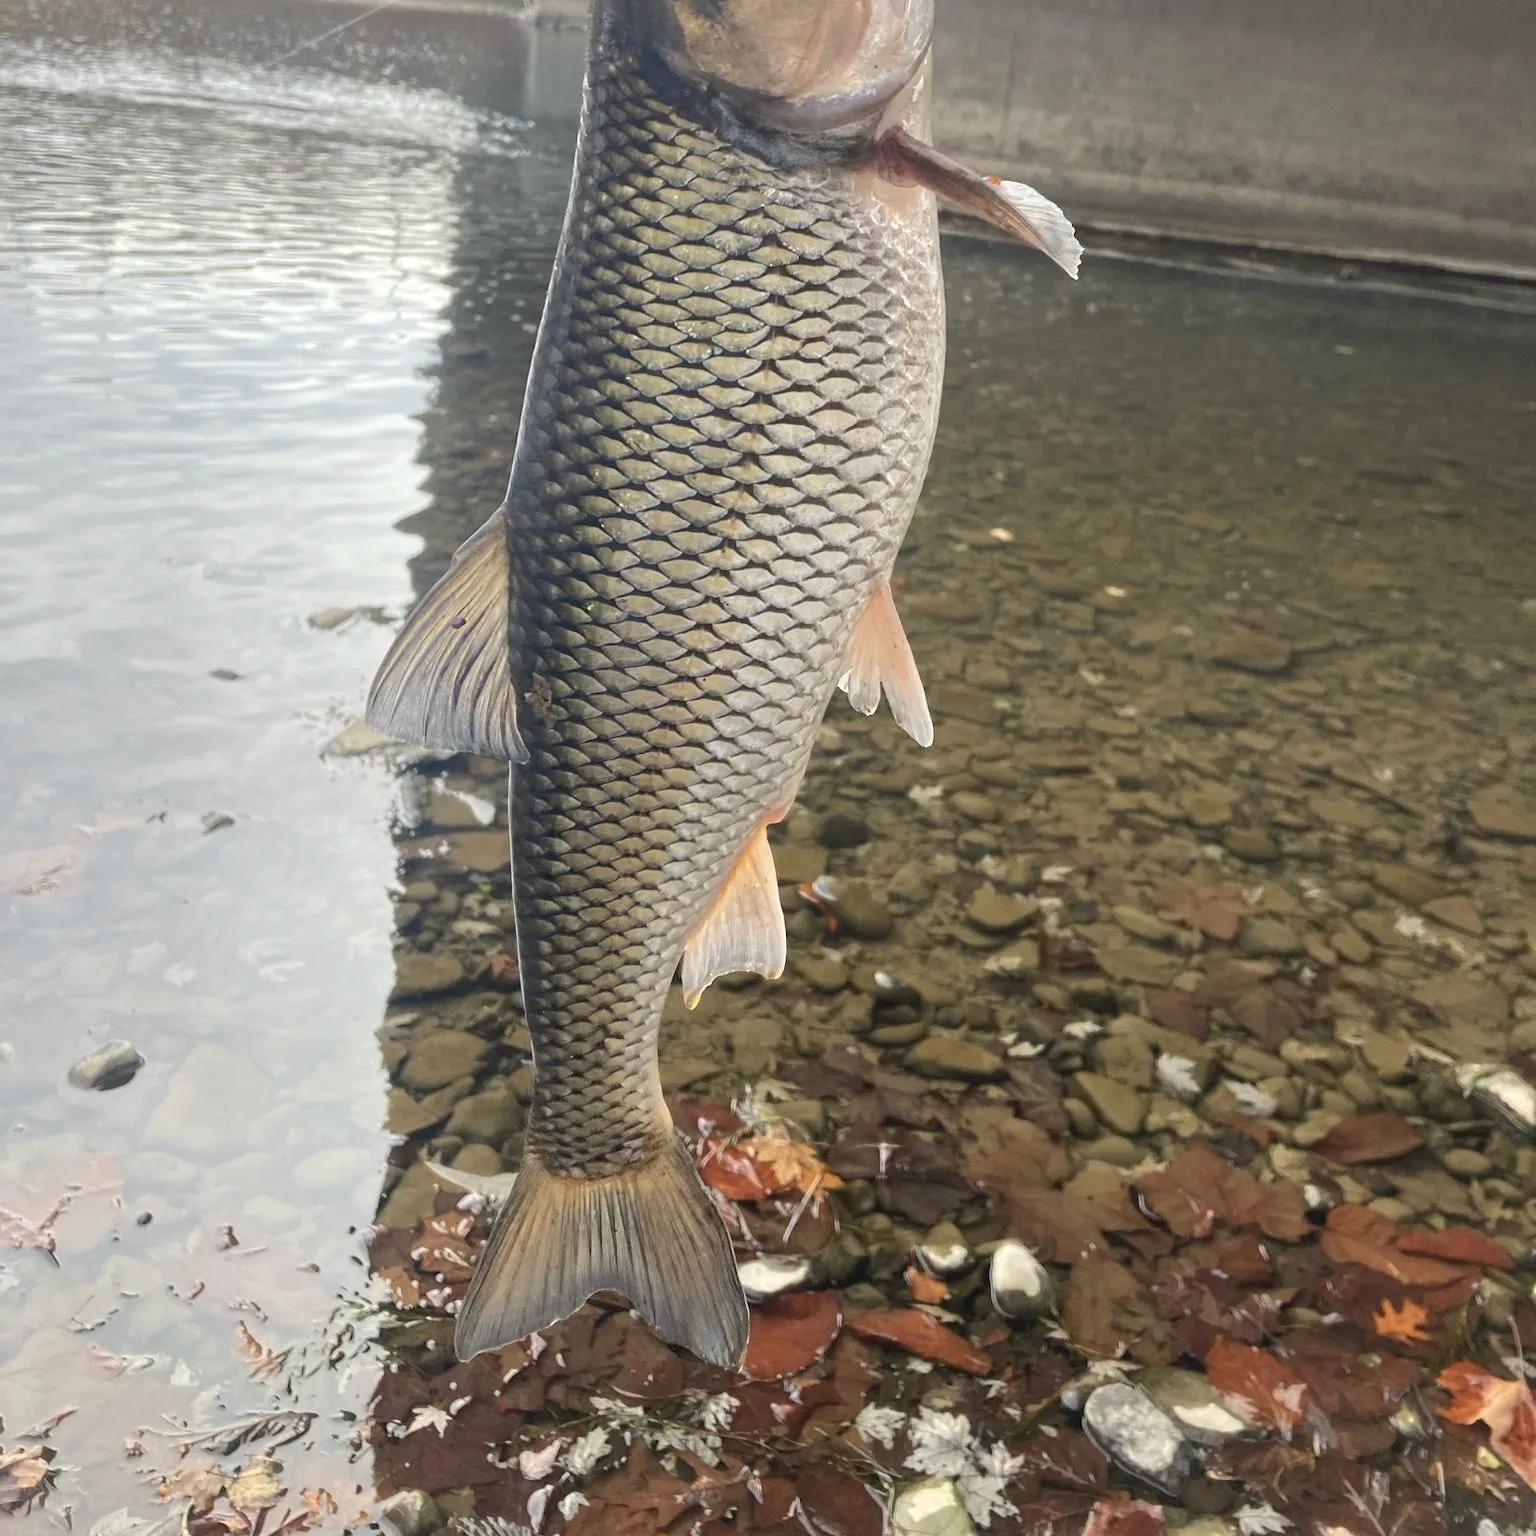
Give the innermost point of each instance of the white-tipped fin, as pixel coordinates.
(447, 680)
(744, 928)
(1052, 229)
(880, 660)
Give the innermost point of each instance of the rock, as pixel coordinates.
(1466, 1163)
(488, 1117)
(1137, 1435)
(1121, 1108)
(412, 1513)
(1020, 1284)
(1117, 1151)
(1459, 997)
(1410, 886)
(1080, 1118)
(798, 863)
(843, 1257)
(856, 908)
(975, 807)
(108, 1066)
(1251, 843)
(944, 1252)
(776, 1274)
(451, 811)
(1138, 964)
(1194, 1405)
(411, 1200)
(948, 1055)
(840, 830)
(1208, 805)
(216, 821)
(683, 1070)
(477, 1159)
(1458, 912)
(823, 972)
(437, 1059)
(1499, 812)
(212, 1099)
(1314, 1127)
(1126, 1059)
(929, 1508)
(485, 852)
(1020, 958)
(1252, 650)
(1351, 945)
(1388, 1057)
(755, 1043)
(1001, 912)
(809, 1114)
(424, 973)
(406, 1116)
(356, 740)
(1142, 925)
(1503, 1093)
(1269, 936)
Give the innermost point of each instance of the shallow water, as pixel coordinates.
(265, 326)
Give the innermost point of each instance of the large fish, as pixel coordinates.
(728, 421)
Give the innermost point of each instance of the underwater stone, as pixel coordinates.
(111, 1066)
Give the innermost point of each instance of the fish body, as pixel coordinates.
(728, 420)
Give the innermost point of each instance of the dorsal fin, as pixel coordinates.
(447, 680)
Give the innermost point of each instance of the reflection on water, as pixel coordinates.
(1209, 575)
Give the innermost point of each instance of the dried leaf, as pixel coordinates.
(199, 1481)
(259, 1359)
(1506, 1407)
(791, 1332)
(1456, 1245)
(1369, 1139)
(925, 1287)
(1100, 1293)
(1065, 1459)
(792, 1164)
(1261, 1389)
(1053, 1514)
(1200, 1187)
(255, 1487)
(320, 1502)
(1120, 1515)
(917, 1333)
(24, 1475)
(1355, 1234)
(1407, 1324)
(834, 1504)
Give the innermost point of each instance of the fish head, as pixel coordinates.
(799, 66)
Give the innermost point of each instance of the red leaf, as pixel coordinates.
(1458, 1245)
(1263, 1389)
(1357, 1235)
(835, 1504)
(1066, 1459)
(1052, 1514)
(1200, 1187)
(919, 1334)
(791, 1333)
(1369, 1139)
(1122, 1516)
(1506, 1407)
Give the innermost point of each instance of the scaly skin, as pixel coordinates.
(729, 418)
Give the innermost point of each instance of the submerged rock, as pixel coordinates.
(930, 1508)
(776, 1274)
(110, 1066)
(1021, 1284)
(944, 1252)
(412, 1513)
(1137, 1435)
(1194, 1405)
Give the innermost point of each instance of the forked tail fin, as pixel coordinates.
(650, 1233)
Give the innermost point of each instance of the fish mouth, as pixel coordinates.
(793, 66)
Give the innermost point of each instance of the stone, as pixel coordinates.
(412, 1513)
(421, 973)
(840, 830)
(1189, 1399)
(1138, 964)
(1458, 912)
(1208, 805)
(755, 1043)
(212, 1099)
(858, 910)
(975, 807)
(109, 1066)
(1253, 650)
(442, 1057)
(1251, 843)
(1142, 925)
(1126, 1059)
(1000, 912)
(1341, 811)
(451, 811)
(822, 972)
(948, 1055)
(1117, 1106)
(1269, 936)
(798, 863)
(406, 1116)
(931, 1507)
(809, 1114)
(1137, 1435)
(1466, 1163)
(410, 1202)
(1410, 886)
(1500, 812)
(485, 852)
(685, 1070)
(1389, 1058)
(1314, 1127)
(1117, 1151)
(775, 1274)
(1460, 997)
(488, 1117)
(1351, 946)
(356, 740)
(944, 1251)
(1020, 1284)
(478, 1159)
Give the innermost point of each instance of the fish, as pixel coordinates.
(729, 415)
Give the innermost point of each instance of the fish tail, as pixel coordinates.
(650, 1232)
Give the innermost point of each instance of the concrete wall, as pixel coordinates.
(1403, 129)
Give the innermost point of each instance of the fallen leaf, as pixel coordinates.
(197, 1480)
(925, 1287)
(1120, 1515)
(255, 1487)
(917, 1333)
(1065, 1459)
(834, 1504)
(1456, 1245)
(24, 1475)
(1102, 1304)
(793, 1164)
(319, 1502)
(1407, 1324)
(791, 1332)
(1200, 1187)
(1261, 1389)
(259, 1359)
(1355, 1234)
(1506, 1407)
(1342, 1381)
(1374, 1138)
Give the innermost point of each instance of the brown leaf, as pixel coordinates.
(261, 1361)
(255, 1487)
(24, 1474)
(1200, 1187)
(1506, 1407)
(1030, 1159)
(198, 1480)
(1065, 1459)
(791, 1332)
(835, 1504)
(917, 1333)
(1374, 1138)
(1355, 1234)
(1262, 1389)
(1456, 1245)
(1099, 1294)
(925, 1287)
(1052, 1514)
(1340, 1380)
(1121, 1515)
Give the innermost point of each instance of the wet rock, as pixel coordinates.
(1194, 1405)
(109, 1066)
(1021, 958)
(1020, 1284)
(776, 1274)
(1315, 1126)
(840, 830)
(858, 911)
(1000, 912)
(1466, 1163)
(1117, 1151)
(424, 974)
(1125, 1059)
(1410, 886)
(441, 1058)
(406, 1116)
(216, 821)
(975, 807)
(457, 812)
(822, 972)
(1458, 912)
(1269, 936)
(1503, 1093)
(330, 1168)
(486, 852)
(488, 1117)
(1500, 812)
(1117, 1106)
(1138, 964)
(411, 1200)
(483, 1161)
(843, 1257)
(944, 1251)
(1251, 843)
(809, 1114)
(682, 1071)
(1208, 805)
(930, 1508)
(1142, 925)
(1137, 1435)
(948, 1055)
(412, 1513)
(356, 740)
(1460, 997)
(1252, 650)
(798, 863)
(755, 1043)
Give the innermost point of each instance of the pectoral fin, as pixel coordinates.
(744, 928)
(880, 660)
(447, 680)
(1010, 206)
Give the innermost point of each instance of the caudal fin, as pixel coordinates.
(650, 1233)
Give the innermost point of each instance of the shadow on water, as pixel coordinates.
(1225, 594)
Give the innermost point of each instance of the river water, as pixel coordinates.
(1213, 571)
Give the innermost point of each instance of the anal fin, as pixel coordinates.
(880, 660)
(446, 682)
(744, 928)
(1010, 206)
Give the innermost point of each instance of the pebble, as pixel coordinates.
(437, 1059)
(859, 912)
(407, 1116)
(1126, 1059)
(975, 807)
(1501, 1092)
(775, 1274)
(423, 974)
(944, 1251)
(412, 1513)
(109, 1066)
(1458, 912)
(489, 1117)
(948, 1055)
(356, 740)
(1194, 1405)
(823, 972)
(1000, 912)
(840, 830)
(1410, 886)
(486, 853)
(1137, 1435)
(1251, 843)
(411, 1200)
(1208, 805)
(1253, 650)
(1119, 1107)
(929, 1508)
(1466, 1163)
(1020, 1285)
(1269, 936)
(798, 863)
(1314, 1127)
(1499, 812)
(1117, 1151)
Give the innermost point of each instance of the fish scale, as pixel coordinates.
(730, 408)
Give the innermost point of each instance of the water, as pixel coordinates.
(265, 326)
